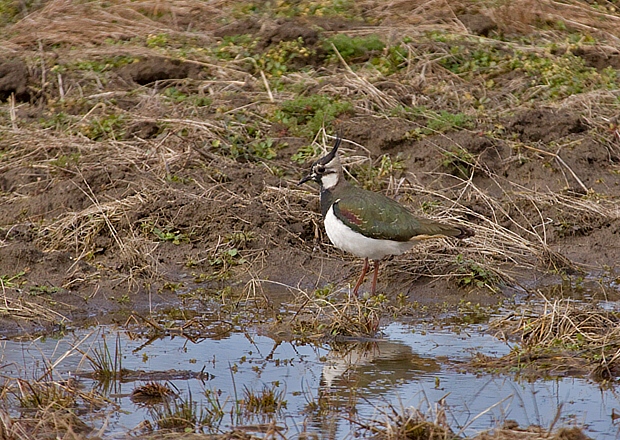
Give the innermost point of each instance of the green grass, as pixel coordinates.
(343, 9)
(471, 274)
(266, 401)
(306, 115)
(351, 48)
(181, 415)
(459, 162)
(107, 365)
(374, 177)
(45, 394)
(11, 280)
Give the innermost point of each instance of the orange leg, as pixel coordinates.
(361, 279)
(374, 278)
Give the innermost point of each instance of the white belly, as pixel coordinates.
(350, 241)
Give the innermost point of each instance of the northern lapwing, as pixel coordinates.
(368, 224)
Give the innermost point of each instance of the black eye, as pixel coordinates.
(320, 169)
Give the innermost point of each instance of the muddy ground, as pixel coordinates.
(147, 153)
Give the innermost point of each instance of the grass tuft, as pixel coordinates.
(559, 337)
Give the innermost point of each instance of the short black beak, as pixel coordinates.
(305, 179)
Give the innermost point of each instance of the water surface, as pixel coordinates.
(328, 386)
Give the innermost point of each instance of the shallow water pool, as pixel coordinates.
(329, 389)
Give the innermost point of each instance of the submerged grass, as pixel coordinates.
(412, 423)
(559, 337)
(331, 314)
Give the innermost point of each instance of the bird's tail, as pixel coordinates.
(465, 232)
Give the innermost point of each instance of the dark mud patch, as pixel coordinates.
(599, 57)
(14, 76)
(152, 69)
(545, 125)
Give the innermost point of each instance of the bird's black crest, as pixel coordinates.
(330, 156)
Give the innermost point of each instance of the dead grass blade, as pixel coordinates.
(62, 21)
(18, 308)
(566, 335)
(77, 230)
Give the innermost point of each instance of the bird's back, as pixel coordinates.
(377, 216)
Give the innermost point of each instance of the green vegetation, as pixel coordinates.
(319, 8)
(557, 72)
(64, 160)
(442, 121)
(175, 94)
(471, 274)
(459, 162)
(374, 177)
(474, 57)
(43, 290)
(157, 40)
(106, 365)
(227, 258)
(278, 60)
(254, 149)
(181, 415)
(172, 235)
(111, 126)
(59, 121)
(11, 11)
(266, 401)
(145, 135)
(433, 122)
(306, 115)
(351, 48)
(46, 394)
(566, 75)
(235, 47)
(213, 411)
(306, 153)
(240, 239)
(11, 280)
(275, 60)
(95, 65)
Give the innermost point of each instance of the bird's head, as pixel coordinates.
(327, 170)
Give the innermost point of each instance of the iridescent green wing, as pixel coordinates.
(377, 216)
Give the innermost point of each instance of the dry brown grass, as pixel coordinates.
(20, 308)
(559, 337)
(48, 410)
(61, 21)
(520, 16)
(43, 425)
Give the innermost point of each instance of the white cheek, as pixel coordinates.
(329, 180)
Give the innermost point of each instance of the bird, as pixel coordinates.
(368, 224)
